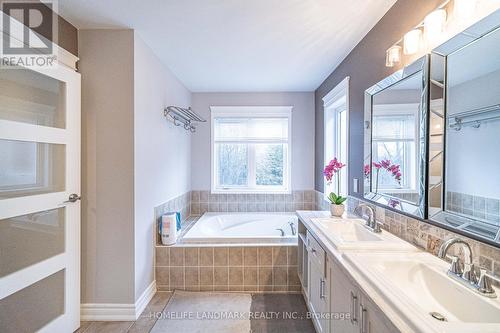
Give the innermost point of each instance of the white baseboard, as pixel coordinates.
(117, 311)
(144, 299)
(107, 312)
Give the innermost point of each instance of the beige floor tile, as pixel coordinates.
(83, 326)
(152, 312)
(109, 327)
(158, 302)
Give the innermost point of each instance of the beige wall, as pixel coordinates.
(106, 65)
(132, 161)
(66, 35)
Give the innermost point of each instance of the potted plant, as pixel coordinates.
(333, 168)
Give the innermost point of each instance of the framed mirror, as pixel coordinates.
(395, 140)
(464, 136)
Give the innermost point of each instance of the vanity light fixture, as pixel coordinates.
(433, 30)
(463, 10)
(412, 41)
(434, 25)
(393, 56)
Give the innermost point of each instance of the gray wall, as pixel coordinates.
(366, 66)
(106, 65)
(162, 154)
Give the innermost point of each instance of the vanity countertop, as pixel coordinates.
(391, 275)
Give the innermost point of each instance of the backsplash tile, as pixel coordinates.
(424, 235)
(203, 201)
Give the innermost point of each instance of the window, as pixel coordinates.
(336, 131)
(251, 149)
(394, 139)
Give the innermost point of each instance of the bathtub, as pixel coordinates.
(243, 228)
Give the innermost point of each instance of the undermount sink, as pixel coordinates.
(351, 233)
(418, 286)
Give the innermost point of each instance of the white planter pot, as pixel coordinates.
(337, 210)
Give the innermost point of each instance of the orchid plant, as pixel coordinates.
(333, 168)
(393, 169)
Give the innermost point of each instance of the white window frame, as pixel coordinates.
(332, 102)
(402, 110)
(252, 112)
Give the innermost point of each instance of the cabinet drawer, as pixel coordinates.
(316, 253)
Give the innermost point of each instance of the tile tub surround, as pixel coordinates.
(477, 206)
(203, 201)
(181, 203)
(227, 268)
(426, 236)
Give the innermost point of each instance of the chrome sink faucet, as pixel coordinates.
(468, 273)
(371, 222)
(467, 276)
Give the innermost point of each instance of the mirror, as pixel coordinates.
(464, 182)
(395, 134)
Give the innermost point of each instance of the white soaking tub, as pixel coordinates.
(243, 228)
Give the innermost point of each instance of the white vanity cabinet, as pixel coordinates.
(336, 303)
(363, 315)
(344, 298)
(372, 320)
(302, 263)
(318, 289)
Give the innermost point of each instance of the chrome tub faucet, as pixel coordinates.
(292, 226)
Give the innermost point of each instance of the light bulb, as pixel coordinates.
(434, 25)
(393, 55)
(411, 41)
(464, 9)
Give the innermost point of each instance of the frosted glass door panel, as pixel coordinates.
(29, 239)
(30, 97)
(33, 307)
(28, 168)
(40, 137)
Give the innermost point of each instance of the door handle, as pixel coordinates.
(363, 319)
(354, 308)
(73, 198)
(321, 288)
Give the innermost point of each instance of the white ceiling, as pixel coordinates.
(239, 45)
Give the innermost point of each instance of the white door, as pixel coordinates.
(39, 224)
